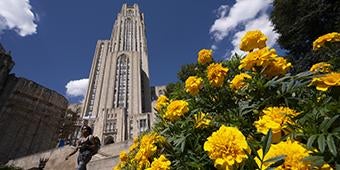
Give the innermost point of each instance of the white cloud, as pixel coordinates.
(214, 47)
(241, 11)
(17, 15)
(222, 10)
(77, 88)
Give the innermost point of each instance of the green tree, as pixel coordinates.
(186, 71)
(299, 23)
(172, 87)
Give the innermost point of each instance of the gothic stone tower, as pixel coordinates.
(118, 100)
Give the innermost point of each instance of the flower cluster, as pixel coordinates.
(193, 84)
(123, 156)
(330, 37)
(323, 82)
(162, 101)
(176, 109)
(226, 147)
(321, 67)
(252, 40)
(239, 81)
(146, 149)
(275, 118)
(134, 145)
(220, 117)
(267, 61)
(162, 163)
(293, 151)
(123, 161)
(204, 56)
(216, 74)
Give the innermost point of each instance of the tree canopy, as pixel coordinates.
(299, 23)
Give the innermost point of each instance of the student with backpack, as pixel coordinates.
(88, 145)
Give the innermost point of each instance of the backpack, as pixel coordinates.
(97, 145)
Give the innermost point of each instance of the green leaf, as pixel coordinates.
(336, 130)
(311, 140)
(267, 142)
(183, 145)
(331, 144)
(330, 122)
(323, 124)
(315, 160)
(277, 163)
(337, 166)
(321, 143)
(253, 151)
(275, 159)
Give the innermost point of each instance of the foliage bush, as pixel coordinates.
(246, 113)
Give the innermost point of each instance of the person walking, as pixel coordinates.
(85, 145)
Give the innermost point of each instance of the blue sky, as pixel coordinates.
(52, 42)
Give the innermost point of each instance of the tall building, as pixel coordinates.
(118, 100)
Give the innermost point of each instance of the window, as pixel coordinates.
(121, 81)
(142, 125)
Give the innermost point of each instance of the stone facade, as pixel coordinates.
(118, 100)
(30, 115)
(156, 91)
(70, 131)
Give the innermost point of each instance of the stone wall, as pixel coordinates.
(30, 118)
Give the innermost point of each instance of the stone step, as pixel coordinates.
(103, 164)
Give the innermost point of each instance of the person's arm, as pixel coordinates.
(73, 152)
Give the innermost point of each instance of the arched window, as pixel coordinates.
(109, 140)
(128, 34)
(122, 76)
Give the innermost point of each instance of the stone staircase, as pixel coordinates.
(106, 158)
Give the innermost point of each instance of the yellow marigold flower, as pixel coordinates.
(278, 66)
(162, 163)
(253, 39)
(330, 37)
(123, 156)
(162, 101)
(226, 147)
(275, 118)
(280, 110)
(147, 148)
(266, 59)
(321, 67)
(204, 56)
(117, 167)
(238, 81)
(176, 109)
(202, 120)
(325, 81)
(259, 58)
(326, 167)
(134, 145)
(295, 154)
(193, 84)
(216, 74)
